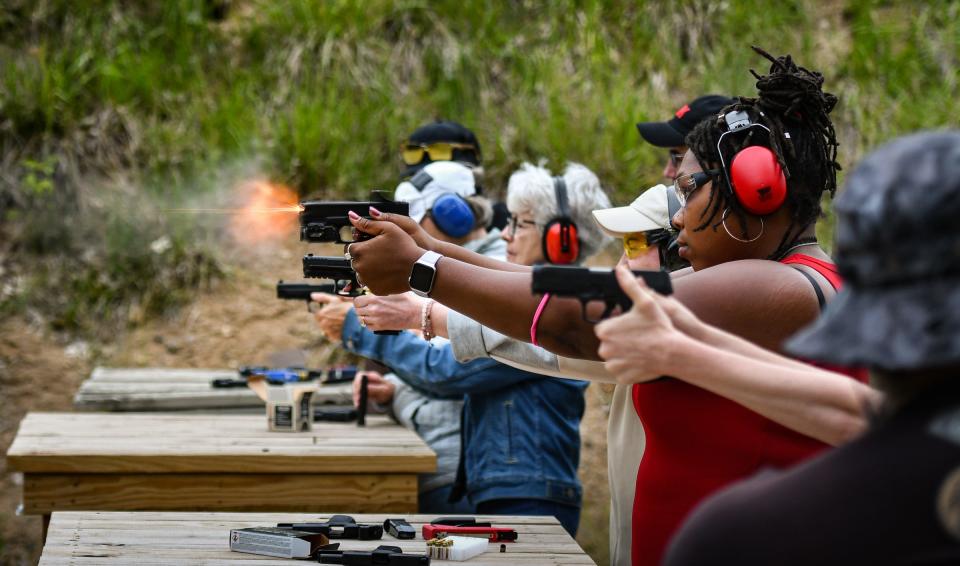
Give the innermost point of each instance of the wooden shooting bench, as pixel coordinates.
(191, 462)
(166, 389)
(203, 538)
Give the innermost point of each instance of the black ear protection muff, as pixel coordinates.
(753, 172)
(560, 243)
(451, 213)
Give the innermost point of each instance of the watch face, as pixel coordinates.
(421, 277)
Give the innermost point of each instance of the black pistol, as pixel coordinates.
(339, 527)
(344, 278)
(587, 285)
(382, 555)
(337, 269)
(274, 376)
(302, 291)
(364, 396)
(327, 221)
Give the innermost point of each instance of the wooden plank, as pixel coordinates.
(195, 518)
(185, 443)
(43, 493)
(157, 389)
(153, 373)
(201, 538)
(307, 462)
(82, 556)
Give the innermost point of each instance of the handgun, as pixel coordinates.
(275, 376)
(364, 396)
(588, 284)
(381, 556)
(336, 269)
(302, 291)
(334, 414)
(339, 527)
(344, 278)
(327, 221)
(290, 373)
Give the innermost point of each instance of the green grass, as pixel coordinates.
(110, 110)
(325, 90)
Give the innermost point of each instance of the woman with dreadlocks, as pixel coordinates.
(750, 188)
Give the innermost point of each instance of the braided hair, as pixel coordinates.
(792, 104)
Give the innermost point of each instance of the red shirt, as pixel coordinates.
(699, 442)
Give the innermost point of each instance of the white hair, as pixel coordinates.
(531, 189)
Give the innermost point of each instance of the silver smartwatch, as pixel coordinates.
(423, 273)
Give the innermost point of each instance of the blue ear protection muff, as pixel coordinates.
(453, 215)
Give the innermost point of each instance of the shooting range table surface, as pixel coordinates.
(191, 462)
(147, 538)
(171, 389)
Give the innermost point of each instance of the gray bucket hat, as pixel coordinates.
(898, 250)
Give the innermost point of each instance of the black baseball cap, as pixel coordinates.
(445, 131)
(673, 132)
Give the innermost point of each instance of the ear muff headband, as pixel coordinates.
(673, 205)
(453, 215)
(421, 180)
(753, 174)
(560, 241)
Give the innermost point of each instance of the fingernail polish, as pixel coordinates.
(374, 212)
(353, 215)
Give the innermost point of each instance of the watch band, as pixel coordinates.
(428, 260)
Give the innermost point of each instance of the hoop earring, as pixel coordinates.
(723, 220)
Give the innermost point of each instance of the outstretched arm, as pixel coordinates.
(496, 298)
(733, 295)
(658, 337)
(428, 242)
(425, 366)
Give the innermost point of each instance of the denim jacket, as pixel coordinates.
(521, 431)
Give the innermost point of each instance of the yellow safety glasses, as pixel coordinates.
(439, 151)
(636, 243)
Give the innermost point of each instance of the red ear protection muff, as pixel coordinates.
(560, 242)
(753, 173)
(757, 180)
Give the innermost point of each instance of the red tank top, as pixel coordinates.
(699, 442)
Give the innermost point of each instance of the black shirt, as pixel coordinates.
(890, 497)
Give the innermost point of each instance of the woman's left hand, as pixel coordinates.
(638, 345)
(384, 261)
(394, 312)
(330, 317)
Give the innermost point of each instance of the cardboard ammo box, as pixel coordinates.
(271, 541)
(289, 406)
